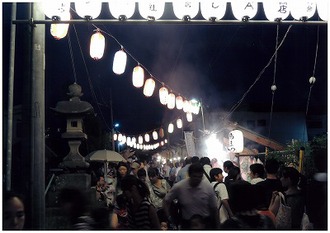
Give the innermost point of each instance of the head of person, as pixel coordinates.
(234, 173)
(272, 166)
(142, 174)
(135, 166)
(153, 174)
(227, 165)
(205, 161)
(132, 186)
(122, 169)
(216, 174)
(290, 177)
(257, 170)
(13, 211)
(195, 172)
(195, 159)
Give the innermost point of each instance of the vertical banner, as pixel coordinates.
(190, 144)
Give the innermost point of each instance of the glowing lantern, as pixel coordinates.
(189, 116)
(194, 104)
(276, 9)
(138, 76)
(163, 93)
(134, 140)
(115, 137)
(155, 135)
(302, 9)
(97, 45)
(186, 105)
(120, 136)
(322, 9)
(161, 133)
(179, 123)
(149, 87)
(236, 141)
(60, 30)
(119, 62)
(88, 9)
(56, 9)
(171, 101)
(123, 139)
(140, 139)
(179, 102)
(170, 128)
(213, 9)
(151, 9)
(147, 137)
(119, 8)
(244, 8)
(183, 8)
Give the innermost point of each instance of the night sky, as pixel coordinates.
(215, 63)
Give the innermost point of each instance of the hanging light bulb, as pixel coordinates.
(88, 9)
(138, 76)
(163, 93)
(60, 30)
(149, 87)
(161, 133)
(146, 137)
(179, 102)
(170, 128)
(171, 101)
(213, 9)
(273, 87)
(244, 9)
(155, 135)
(151, 9)
(121, 8)
(312, 80)
(140, 139)
(119, 62)
(97, 45)
(189, 116)
(179, 123)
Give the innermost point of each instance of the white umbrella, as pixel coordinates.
(105, 155)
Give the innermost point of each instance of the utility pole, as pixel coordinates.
(112, 126)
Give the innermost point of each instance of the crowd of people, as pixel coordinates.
(190, 194)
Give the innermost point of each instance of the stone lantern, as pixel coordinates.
(74, 110)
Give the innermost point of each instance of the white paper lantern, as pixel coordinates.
(88, 9)
(56, 8)
(149, 87)
(186, 105)
(189, 116)
(115, 137)
(171, 101)
(179, 123)
(213, 9)
(243, 8)
(170, 128)
(138, 76)
(303, 8)
(163, 94)
(151, 9)
(140, 139)
(147, 137)
(236, 141)
(322, 9)
(60, 30)
(119, 62)
(121, 7)
(97, 45)
(184, 8)
(276, 9)
(155, 135)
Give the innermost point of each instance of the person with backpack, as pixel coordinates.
(221, 193)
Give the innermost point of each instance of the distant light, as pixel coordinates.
(189, 116)
(170, 128)
(116, 125)
(312, 80)
(179, 102)
(179, 123)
